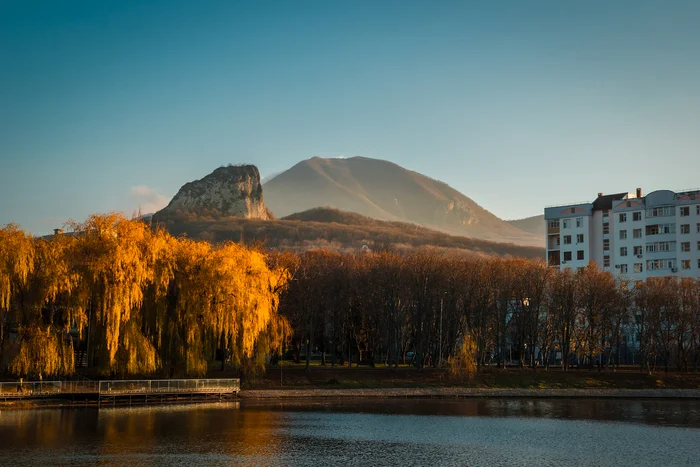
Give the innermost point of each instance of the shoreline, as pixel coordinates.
(311, 395)
(469, 393)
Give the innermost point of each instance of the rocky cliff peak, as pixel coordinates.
(234, 190)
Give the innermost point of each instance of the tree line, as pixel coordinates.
(133, 300)
(425, 307)
(140, 301)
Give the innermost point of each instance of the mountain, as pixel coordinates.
(330, 215)
(234, 190)
(534, 225)
(383, 190)
(340, 231)
(269, 177)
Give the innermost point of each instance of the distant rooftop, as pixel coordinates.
(603, 202)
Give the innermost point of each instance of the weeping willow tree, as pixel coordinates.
(16, 264)
(149, 301)
(115, 259)
(42, 351)
(462, 364)
(36, 304)
(223, 299)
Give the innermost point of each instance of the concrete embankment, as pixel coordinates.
(447, 392)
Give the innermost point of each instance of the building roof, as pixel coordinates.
(606, 201)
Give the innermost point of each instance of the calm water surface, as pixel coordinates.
(490, 432)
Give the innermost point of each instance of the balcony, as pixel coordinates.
(553, 258)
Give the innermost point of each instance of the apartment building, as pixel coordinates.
(628, 234)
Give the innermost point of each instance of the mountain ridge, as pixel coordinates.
(532, 224)
(336, 230)
(386, 191)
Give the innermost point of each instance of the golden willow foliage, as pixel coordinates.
(150, 301)
(44, 352)
(16, 262)
(462, 364)
(114, 258)
(234, 293)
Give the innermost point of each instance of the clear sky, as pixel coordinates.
(105, 105)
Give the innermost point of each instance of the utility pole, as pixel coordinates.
(439, 361)
(281, 358)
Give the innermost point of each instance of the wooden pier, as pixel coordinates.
(123, 392)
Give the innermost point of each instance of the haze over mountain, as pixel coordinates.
(384, 190)
(533, 224)
(336, 230)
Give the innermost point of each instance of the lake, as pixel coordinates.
(474, 432)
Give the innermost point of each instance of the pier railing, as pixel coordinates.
(169, 386)
(29, 388)
(116, 387)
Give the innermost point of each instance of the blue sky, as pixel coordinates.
(518, 104)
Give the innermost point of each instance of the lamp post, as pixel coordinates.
(439, 360)
(440, 342)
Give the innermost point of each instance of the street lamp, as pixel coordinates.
(440, 342)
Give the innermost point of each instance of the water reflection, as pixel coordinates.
(684, 413)
(359, 432)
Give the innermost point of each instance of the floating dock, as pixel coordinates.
(123, 392)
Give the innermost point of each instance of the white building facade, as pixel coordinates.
(656, 235)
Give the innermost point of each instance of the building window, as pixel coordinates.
(579, 221)
(623, 217)
(579, 255)
(579, 238)
(685, 264)
(567, 256)
(606, 244)
(664, 211)
(661, 229)
(605, 213)
(623, 235)
(566, 223)
(606, 228)
(654, 264)
(698, 227)
(699, 264)
(638, 267)
(698, 245)
(623, 251)
(553, 224)
(637, 216)
(661, 246)
(685, 211)
(567, 239)
(637, 233)
(623, 268)
(685, 246)
(606, 261)
(697, 209)
(685, 228)
(638, 250)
